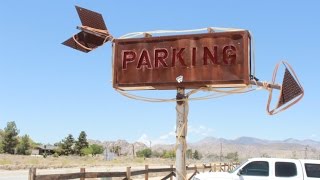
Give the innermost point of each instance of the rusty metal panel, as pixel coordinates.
(91, 18)
(290, 89)
(88, 40)
(186, 61)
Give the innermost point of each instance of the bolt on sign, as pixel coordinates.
(219, 59)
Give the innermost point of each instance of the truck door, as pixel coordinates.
(255, 170)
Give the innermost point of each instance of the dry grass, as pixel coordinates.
(15, 162)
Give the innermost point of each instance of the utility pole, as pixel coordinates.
(181, 133)
(306, 152)
(220, 152)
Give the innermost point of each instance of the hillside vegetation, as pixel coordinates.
(17, 152)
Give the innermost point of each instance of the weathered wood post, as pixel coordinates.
(181, 132)
(83, 173)
(171, 166)
(146, 175)
(32, 173)
(128, 173)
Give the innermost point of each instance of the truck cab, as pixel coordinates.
(268, 169)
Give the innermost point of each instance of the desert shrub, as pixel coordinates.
(169, 154)
(96, 149)
(86, 151)
(144, 153)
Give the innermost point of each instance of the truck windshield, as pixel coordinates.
(237, 168)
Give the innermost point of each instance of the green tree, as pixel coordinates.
(93, 149)
(169, 154)
(24, 145)
(10, 137)
(59, 151)
(96, 149)
(86, 151)
(146, 153)
(189, 153)
(196, 155)
(66, 146)
(81, 143)
(116, 150)
(1, 139)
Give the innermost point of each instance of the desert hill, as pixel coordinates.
(211, 148)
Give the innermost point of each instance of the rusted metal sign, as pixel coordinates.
(185, 61)
(290, 89)
(86, 41)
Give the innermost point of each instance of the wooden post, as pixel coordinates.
(214, 168)
(128, 173)
(32, 173)
(83, 173)
(147, 35)
(210, 168)
(204, 168)
(181, 132)
(224, 167)
(171, 166)
(146, 175)
(210, 30)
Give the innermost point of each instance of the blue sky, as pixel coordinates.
(51, 91)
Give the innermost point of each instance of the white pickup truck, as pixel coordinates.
(268, 169)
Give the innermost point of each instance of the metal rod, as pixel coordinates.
(273, 86)
(91, 32)
(181, 133)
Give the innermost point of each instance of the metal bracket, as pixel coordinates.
(180, 96)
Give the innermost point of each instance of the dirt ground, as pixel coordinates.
(18, 162)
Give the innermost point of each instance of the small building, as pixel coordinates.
(44, 149)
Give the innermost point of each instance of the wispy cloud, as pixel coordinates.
(169, 137)
(314, 137)
(200, 130)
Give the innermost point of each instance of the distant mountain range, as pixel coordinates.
(246, 147)
(255, 141)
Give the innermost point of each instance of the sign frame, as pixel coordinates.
(182, 61)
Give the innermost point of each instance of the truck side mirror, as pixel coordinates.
(240, 172)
